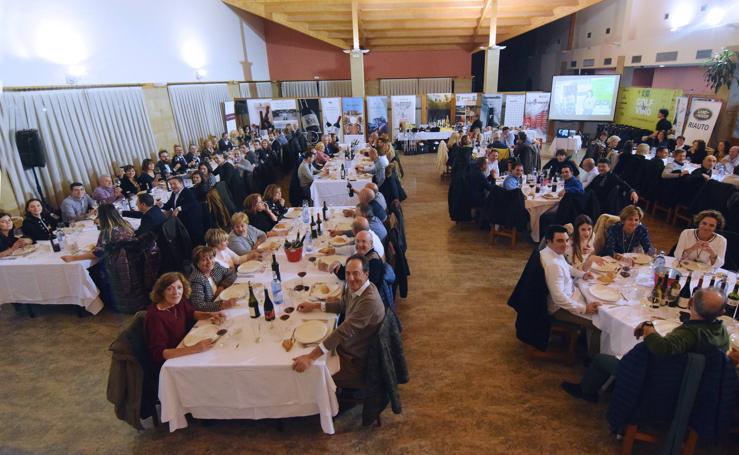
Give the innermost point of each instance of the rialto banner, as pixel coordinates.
(491, 110)
(331, 112)
(439, 109)
(377, 115)
(638, 106)
(701, 120)
(260, 113)
(404, 111)
(514, 107)
(284, 113)
(465, 109)
(353, 119)
(681, 110)
(536, 111)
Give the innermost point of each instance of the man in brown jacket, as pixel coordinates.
(364, 312)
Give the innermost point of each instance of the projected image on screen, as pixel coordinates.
(583, 97)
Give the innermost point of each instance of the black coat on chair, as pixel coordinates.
(506, 208)
(529, 299)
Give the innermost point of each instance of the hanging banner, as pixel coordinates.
(439, 110)
(514, 108)
(404, 112)
(331, 115)
(260, 114)
(465, 109)
(681, 110)
(377, 115)
(701, 120)
(491, 109)
(353, 120)
(536, 111)
(284, 113)
(229, 115)
(638, 106)
(308, 108)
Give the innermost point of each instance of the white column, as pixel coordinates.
(492, 54)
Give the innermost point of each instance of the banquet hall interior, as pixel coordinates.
(369, 226)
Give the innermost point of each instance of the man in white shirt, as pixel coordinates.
(493, 168)
(565, 301)
(731, 160)
(589, 172)
(676, 169)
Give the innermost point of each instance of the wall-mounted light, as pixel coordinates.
(200, 74)
(316, 77)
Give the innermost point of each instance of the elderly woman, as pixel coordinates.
(320, 156)
(628, 235)
(611, 151)
(170, 316)
(38, 223)
(208, 280)
(8, 242)
(218, 239)
(273, 198)
(244, 238)
(703, 244)
(260, 215)
(642, 149)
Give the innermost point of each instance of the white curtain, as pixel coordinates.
(398, 87)
(245, 89)
(86, 133)
(335, 88)
(264, 89)
(435, 85)
(299, 89)
(198, 111)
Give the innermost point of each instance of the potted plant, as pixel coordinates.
(721, 70)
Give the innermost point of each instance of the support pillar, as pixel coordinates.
(356, 65)
(492, 62)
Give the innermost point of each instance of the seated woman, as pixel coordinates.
(697, 152)
(113, 228)
(147, 179)
(244, 238)
(8, 242)
(218, 212)
(260, 215)
(199, 186)
(207, 174)
(273, 198)
(208, 280)
(321, 158)
(169, 318)
(579, 253)
(129, 181)
(628, 235)
(703, 244)
(38, 223)
(218, 239)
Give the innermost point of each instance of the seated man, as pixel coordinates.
(363, 244)
(179, 162)
(731, 161)
(181, 198)
(375, 224)
(360, 224)
(733, 179)
(151, 215)
(493, 170)
(106, 192)
(560, 161)
(497, 143)
(368, 196)
(363, 313)
(676, 169)
(705, 171)
(606, 180)
(379, 197)
(514, 180)
(565, 302)
(164, 165)
(590, 172)
(305, 174)
(700, 334)
(572, 184)
(478, 183)
(78, 205)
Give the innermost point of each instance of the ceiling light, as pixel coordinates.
(682, 15)
(714, 16)
(349, 51)
(200, 73)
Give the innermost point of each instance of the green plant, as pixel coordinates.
(721, 70)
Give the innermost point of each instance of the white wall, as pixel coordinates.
(127, 41)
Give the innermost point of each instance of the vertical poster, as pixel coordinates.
(701, 120)
(377, 115)
(536, 111)
(466, 107)
(514, 107)
(404, 112)
(353, 120)
(229, 115)
(260, 114)
(309, 109)
(439, 110)
(491, 110)
(638, 107)
(331, 115)
(284, 113)
(680, 111)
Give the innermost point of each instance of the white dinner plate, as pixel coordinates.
(342, 227)
(311, 331)
(550, 196)
(323, 290)
(293, 214)
(602, 292)
(198, 334)
(340, 240)
(270, 245)
(640, 258)
(250, 267)
(695, 266)
(663, 326)
(235, 291)
(330, 259)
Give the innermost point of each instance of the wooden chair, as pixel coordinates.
(681, 213)
(568, 334)
(633, 434)
(511, 233)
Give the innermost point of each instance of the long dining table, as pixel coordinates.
(248, 373)
(330, 188)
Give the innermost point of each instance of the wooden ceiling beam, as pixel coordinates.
(417, 47)
(420, 40)
(404, 24)
(557, 13)
(483, 13)
(452, 15)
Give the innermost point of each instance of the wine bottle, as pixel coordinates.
(275, 269)
(674, 295)
(55, 246)
(350, 188)
(343, 173)
(253, 304)
(699, 285)
(325, 211)
(712, 282)
(269, 308)
(313, 233)
(318, 224)
(684, 294)
(657, 292)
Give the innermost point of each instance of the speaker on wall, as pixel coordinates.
(30, 148)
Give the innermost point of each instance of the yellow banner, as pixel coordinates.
(638, 106)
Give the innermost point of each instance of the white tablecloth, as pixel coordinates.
(424, 136)
(333, 189)
(566, 143)
(618, 320)
(256, 381)
(536, 206)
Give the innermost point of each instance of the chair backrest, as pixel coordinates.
(529, 299)
(600, 230)
(225, 195)
(503, 154)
